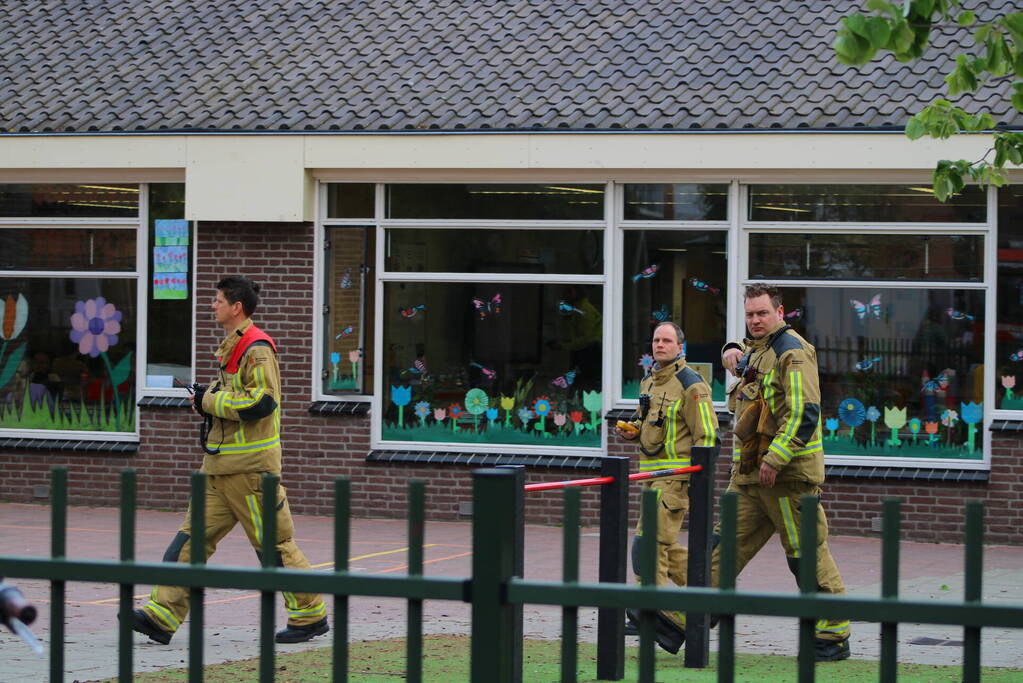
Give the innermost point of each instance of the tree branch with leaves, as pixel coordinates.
(905, 29)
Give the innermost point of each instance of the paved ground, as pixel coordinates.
(928, 572)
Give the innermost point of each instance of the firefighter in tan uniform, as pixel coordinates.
(243, 444)
(779, 456)
(676, 413)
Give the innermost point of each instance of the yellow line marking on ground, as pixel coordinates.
(439, 559)
(363, 557)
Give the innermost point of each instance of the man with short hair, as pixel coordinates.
(779, 457)
(676, 413)
(243, 444)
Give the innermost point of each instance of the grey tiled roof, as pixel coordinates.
(448, 64)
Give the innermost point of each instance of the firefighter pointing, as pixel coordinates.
(243, 442)
(779, 456)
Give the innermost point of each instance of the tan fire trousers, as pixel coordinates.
(763, 511)
(672, 556)
(233, 499)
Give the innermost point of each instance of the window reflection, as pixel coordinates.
(864, 204)
(1009, 336)
(676, 202)
(676, 275)
(901, 370)
(496, 202)
(349, 312)
(492, 363)
(51, 200)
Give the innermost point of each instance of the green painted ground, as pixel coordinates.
(446, 659)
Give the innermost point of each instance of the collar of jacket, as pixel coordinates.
(231, 340)
(764, 342)
(662, 375)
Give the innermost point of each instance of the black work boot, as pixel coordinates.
(831, 650)
(667, 634)
(630, 629)
(300, 634)
(141, 623)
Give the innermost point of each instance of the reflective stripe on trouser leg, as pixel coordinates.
(302, 608)
(786, 519)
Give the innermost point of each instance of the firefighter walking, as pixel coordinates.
(242, 410)
(779, 457)
(676, 413)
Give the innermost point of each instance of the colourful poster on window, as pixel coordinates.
(170, 259)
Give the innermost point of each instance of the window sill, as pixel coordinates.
(1006, 426)
(76, 445)
(554, 462)
(905, 473)
(164, 402)
(339, 408)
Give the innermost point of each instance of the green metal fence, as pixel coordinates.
(494, 590)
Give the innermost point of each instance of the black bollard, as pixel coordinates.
(701, 517)
(614, 542)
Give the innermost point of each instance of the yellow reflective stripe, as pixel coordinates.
(768, 388)
(252, 446)
(708, 424)
(790, 524)
(672, 430)
(290, 601)
(164, 615)
(318, 610)
(259, 374)
(796, 412)
(781, 451)
(255, 516)
(836, 627)
(661, 464)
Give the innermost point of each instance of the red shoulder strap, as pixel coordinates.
(253, 334)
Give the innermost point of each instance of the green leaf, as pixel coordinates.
(884, 6)
(11, 366)
(121, 370)
(852, 49)
(915, 129)
(878, 31)
(1013, 23)
(966, 18)
(857, 23)
(999, 61)
(902, 41)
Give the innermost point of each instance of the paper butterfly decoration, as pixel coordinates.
(647, 272)
(939, 382)
(1016, 356)
(660, 315)
(411, 311)
(958, 315)
(566, 380)
(702, 286)
(565, 308)
(487, 308)
(874, 307)
(487, 372)
(794, 314)
(345, 332)
(867, 363)
(346, 279)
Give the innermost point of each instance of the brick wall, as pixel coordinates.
(320, 448)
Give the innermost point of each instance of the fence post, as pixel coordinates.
(493, 566)
(701, 516)
(519, 564)
(614, 543)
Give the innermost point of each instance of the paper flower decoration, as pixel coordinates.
(13, 316)
(95, 325)
(422, 410)
(476, 401)
(542, 405)
(852, 412)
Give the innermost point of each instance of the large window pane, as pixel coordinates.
(676, 202)
(495, 251)
(492, 363)
(351, 200)
(1009, 339)
(496, 202)
(901, 370)
(92, 248)
(349, 311)
(866, 256)
(677, 276)
(68, 201)
(863, 204)
(169, 289)
(67, 355)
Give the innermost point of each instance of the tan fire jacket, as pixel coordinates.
(246, 411)
(786, 378)
(681, 415)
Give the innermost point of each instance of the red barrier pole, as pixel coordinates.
(599, 481)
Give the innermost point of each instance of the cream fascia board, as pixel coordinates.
(93, 152)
